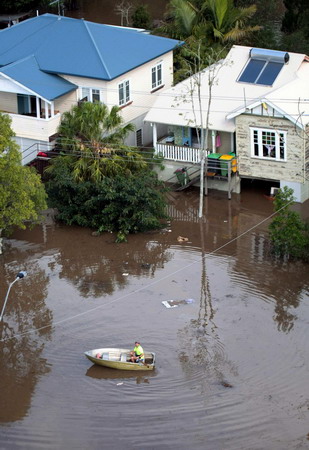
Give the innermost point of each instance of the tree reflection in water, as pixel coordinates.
(20, 356)
(204, 351)
(100, 269)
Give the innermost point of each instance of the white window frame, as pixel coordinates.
(269, 144)
(157, 72)
(125, 97)
(89, 93)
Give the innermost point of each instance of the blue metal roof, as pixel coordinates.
(77, 47)
(28, 74)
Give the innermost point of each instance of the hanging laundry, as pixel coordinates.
(218, 140)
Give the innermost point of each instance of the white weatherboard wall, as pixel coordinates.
(142, 96)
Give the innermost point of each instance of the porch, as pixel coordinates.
(182, 144)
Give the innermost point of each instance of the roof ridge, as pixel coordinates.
(96, 48)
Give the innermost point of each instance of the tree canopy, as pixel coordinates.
(22, 194)
(289, 234)
(97, 181)
(210, 25)
(214, 20)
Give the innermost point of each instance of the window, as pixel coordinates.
(124, 92)
(139, 138)
(156, 76)
(268, 144)
(90, 95)
(95, 95)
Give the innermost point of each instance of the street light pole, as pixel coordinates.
(18, 277)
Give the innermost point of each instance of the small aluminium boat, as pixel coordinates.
(119, 358)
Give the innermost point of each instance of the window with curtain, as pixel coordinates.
(268, 144)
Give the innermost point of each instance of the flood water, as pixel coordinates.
(106, 11)
(232, 367)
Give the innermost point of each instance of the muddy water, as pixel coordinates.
(105, 11)
(232, 367)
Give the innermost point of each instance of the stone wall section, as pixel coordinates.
(290, 170)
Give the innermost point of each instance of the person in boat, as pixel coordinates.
(138, 353)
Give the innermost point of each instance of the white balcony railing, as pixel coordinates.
(179, 153)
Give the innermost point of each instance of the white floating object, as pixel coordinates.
(176, 303)
(125, 274)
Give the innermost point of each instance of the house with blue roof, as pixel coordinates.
(49, 63)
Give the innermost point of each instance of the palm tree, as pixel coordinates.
(91, 141)
(91, 125)
(218, 20)
(228, 23)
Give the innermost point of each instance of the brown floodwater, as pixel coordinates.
(232, 367)
(106, 11)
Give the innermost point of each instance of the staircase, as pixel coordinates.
(186, 177)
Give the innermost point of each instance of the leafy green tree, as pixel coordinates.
(293, 17)
(295, 25)
(22, 194)
(119, 204)
(289, 235)
(98, 182)
(141, 17)
(268, 15)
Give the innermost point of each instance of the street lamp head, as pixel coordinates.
(21, 275)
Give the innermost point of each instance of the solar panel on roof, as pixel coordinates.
(270, 73)
(252, 71)
(264, 66)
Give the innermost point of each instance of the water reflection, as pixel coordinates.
(99, 268)
(215, 366)
(279, 282)
(20, 354)
(103, 373)
(204, 353)
(95, 265)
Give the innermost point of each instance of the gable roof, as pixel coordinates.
(27, 73)
(290, 100)
(69, 46)
(174, 106)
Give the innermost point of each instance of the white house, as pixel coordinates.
(259, 110)
(49, 63)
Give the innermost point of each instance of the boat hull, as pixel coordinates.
(119, 358)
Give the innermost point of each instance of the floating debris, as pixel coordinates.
(176, 303)
(182, 239)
